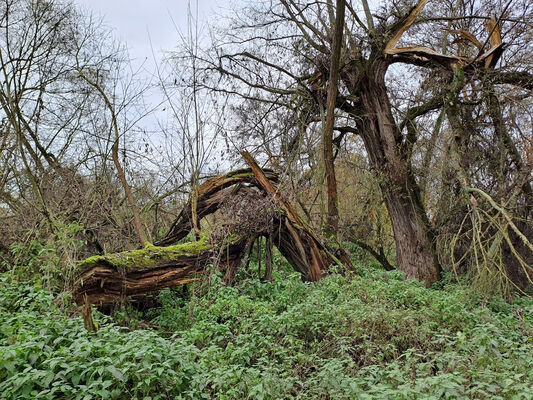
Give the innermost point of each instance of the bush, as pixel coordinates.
(371, 337)
(51, 259)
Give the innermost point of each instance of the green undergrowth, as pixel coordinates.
(369, 337)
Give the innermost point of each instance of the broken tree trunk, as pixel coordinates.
(211, 194)
(298, 243)
(108, 279)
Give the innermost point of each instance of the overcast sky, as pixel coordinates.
(137, 22)
(153, 26)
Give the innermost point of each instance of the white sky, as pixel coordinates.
(149, 28)
(136, 22)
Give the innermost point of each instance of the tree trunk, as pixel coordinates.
(107, 279)
(329, 162)
(269, 264)
(415, 249)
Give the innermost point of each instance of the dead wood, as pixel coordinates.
(106, 280)
(211, 193)
(422, 54)
(87, 315)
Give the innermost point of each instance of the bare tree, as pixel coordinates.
(56, 139)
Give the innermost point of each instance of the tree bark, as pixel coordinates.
(332, 225)
(415, 249)
(269, 265)
(106, 280)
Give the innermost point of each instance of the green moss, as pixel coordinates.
(247, 172)
(150, 255)
(242, 171)
(458, 80)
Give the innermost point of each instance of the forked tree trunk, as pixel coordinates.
(415, 250)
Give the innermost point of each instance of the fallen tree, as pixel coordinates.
(254, 209)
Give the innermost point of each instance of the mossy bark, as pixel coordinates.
(107, 279)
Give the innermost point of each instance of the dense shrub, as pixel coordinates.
(368, 337)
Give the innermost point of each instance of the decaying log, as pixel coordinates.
(108, 279)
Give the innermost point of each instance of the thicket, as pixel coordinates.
(373, 336)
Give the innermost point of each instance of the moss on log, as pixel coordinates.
(109, 279)
(106, 279)
(150, 256)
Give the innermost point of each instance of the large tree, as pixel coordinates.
(280, 54)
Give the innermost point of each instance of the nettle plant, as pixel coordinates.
(52, 259)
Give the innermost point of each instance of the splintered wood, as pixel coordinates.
(107, 279)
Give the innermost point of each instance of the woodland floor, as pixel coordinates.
(372, 336)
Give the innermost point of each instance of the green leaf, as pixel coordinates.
(116, 373)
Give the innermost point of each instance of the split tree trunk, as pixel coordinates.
(211, 194)
(106, 280)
